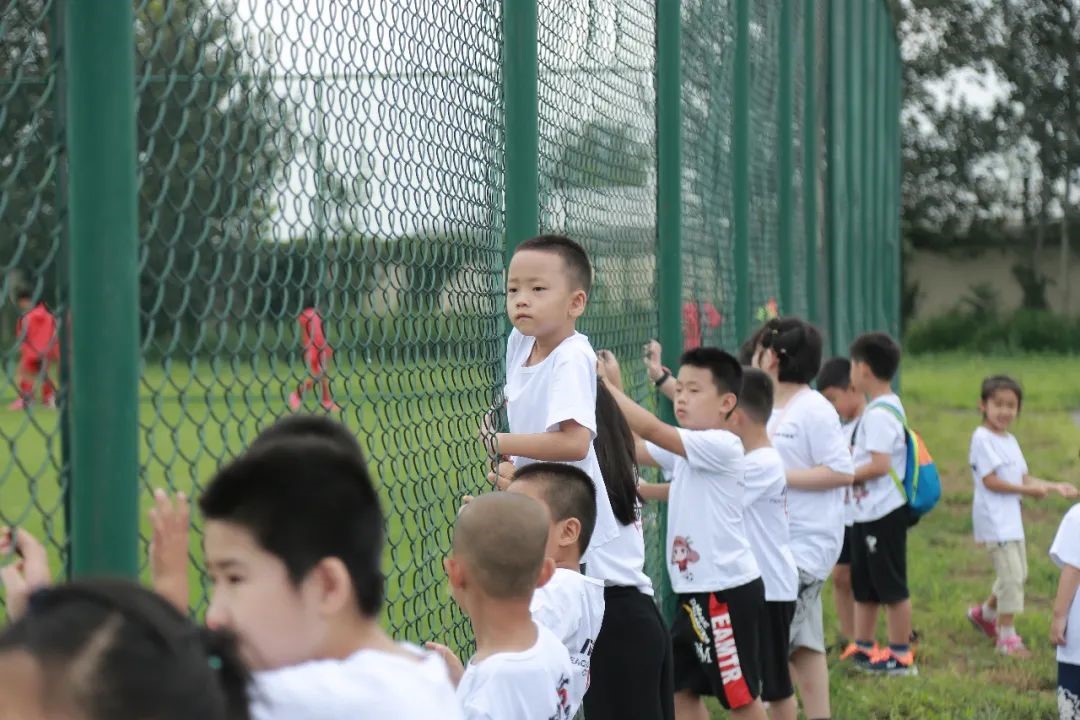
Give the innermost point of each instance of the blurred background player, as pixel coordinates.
(39, 347)
(317, 356)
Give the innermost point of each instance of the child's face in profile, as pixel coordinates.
(1000, 409)
(540, 300)
(277, 623)
(860, 376)
(699, 404)
(845, 400)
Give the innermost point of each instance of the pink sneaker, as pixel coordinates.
(987, 627)
(1014, 646)
(18, 404)
(294, 401)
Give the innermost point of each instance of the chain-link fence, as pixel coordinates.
(361, 161)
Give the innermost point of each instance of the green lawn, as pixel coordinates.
(417, 425)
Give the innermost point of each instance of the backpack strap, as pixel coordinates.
(907, 432)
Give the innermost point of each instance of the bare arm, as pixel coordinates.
(647, 425)
(995, 484)
(821, 477)
(1061, 488)
(654, 491)
(655, 370)
(570, 443)
(642, 455)
(1067, 586)
(879, 465)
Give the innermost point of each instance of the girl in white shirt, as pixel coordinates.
(1001, 477)
(805, 430)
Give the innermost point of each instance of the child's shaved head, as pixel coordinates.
(501, 538)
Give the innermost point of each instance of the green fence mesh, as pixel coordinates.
(352, 157)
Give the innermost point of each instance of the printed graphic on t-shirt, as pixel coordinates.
(682, 554)
(563, 692)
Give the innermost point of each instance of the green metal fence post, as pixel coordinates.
(102, 206)
(854, 196)
(740, 168)
(785, 170)
(881, 154)
(669, 213)
(866, 214)
(521, 107)
(810, 152)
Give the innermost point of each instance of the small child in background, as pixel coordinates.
(1001, 477)
(569, 604)
(317, 356)
(834, 382)
(765, 517)
(39, 347)
(520, 670)
(1065, 627)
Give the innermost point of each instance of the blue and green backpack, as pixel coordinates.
(921, 484)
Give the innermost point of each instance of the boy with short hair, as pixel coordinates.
(765, 516)
(38, 348)
(317, 356)
(879, 534)
(293, 541)
(551, 379)
(834, 382)
(569, 604)
(712, 568)
(520, 670)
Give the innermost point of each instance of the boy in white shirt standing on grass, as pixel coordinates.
(520, 669)
(765, 517)
(716, 633)
(1065, 627)
(879, 535)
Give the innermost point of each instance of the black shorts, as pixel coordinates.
(845, 549)
(879, 559)
(716, 639)
(631, 673)
(775, 645)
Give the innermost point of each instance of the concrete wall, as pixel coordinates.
(945, 278)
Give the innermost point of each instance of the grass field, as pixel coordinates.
(409, 417)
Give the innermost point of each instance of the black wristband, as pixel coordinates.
(663, 378)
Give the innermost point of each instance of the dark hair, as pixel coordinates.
(23, 293)
(835, 373)
(756, 395)
(879, 351)
(315, 426)
(749, 347)
(575, 257)
(568, 492)
(117, 651)
(994, 383)
(306, 496)
(726, 371)
(797, 345)
(616, 455)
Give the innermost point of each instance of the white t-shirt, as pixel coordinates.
(707, 547)
(806, 432)
(571, 606)
(765, 516)
(880, 431)
(1066, 551)
(529, 685)
(848, 429)
(562, 387)
(996, 516)
(367, 684)
(626, 566)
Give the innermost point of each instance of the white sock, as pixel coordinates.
(1005, 632)
(989, 613)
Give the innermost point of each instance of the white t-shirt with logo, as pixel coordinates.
(765, 516)
(848, 429)
(880, 431)
(806, 432)
(1066, 551)
(996, 516)
(571, 606)
(562, 387)
(625, 568)
(707, 547)
(530, 685)
(367, 684)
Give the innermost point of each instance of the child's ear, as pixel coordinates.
(578, 300)
(569, 532)
(728, 403)
(546, 571)
(455, 572)
(333, 584)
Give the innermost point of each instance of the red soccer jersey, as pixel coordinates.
(37, 329)
(311, 329)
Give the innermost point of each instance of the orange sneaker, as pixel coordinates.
(859, 656)
(888, 662)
